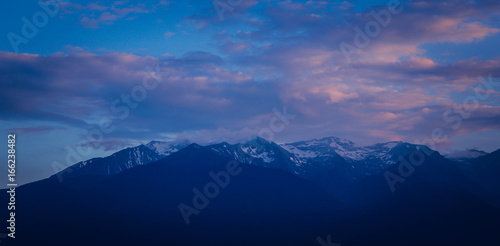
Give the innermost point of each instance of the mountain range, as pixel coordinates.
(333, 163)
(285, 194)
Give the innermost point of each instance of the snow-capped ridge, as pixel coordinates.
(166, 148)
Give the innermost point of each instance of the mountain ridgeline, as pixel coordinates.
(316, 192)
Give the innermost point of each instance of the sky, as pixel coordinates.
(83, 79)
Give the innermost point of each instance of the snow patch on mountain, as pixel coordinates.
(298, 152)
(164, 148)
(258, 153)
(390, 145)
(327, 147)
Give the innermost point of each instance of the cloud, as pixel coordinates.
(109, 144)
(73, 49)
(324, 25)
(78, 89)
(286, 53)
(97, 15)
(168, 34)
(34, 130)
(235, 47)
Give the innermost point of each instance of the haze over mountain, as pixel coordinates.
(464, 155)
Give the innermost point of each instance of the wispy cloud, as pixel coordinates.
(168, 34)
(96, 15)
(34, 130)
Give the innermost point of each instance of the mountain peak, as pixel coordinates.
(193, 146)
(337, 139)
(165, 148)
(325, 147)
(111, 165)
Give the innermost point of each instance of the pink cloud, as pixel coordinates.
(168, 34)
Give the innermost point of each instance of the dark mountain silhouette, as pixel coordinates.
(432, 205)
(338, 165)
(140, 206)
(259, 193)
(485, 172)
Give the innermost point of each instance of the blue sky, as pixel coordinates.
(220, 78)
